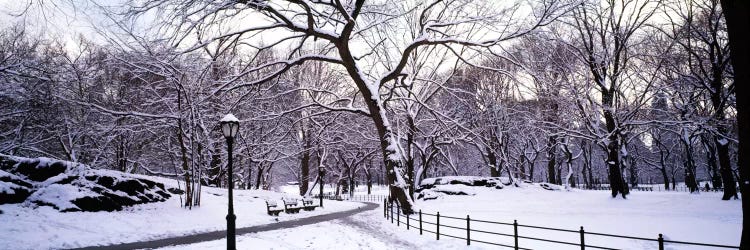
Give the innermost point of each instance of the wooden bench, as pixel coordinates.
(272, 208)
(290, 206)
(307, 204)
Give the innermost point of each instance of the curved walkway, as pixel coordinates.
(217, 235)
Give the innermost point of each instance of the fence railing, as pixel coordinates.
(655, 188)
(367, 197)
(474, 227)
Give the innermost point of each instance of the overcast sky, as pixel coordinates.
(62, 20)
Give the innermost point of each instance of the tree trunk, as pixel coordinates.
(249, 174)
(737, 19)
(369, 182)
(531, 170)
(725, 167)
(522, 165)
(409, 154)
(183, 156)
(568, 163)
(551, 155)
(586, 163)
(493, 163)
(665, 178)
(633, 171)
(259, 176)
(214, 171)
(616, 182)
(711, 160)
(393, 161)
(304, 174)
(689, 164)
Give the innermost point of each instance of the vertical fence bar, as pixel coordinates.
(398, 215)
(583, 241)
(385, 209)
(420, 222)
(661, 242)
(515, 233)
(468, 230)
(437, 227)
(390, 207)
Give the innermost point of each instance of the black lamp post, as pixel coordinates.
(229, 127)
(321, 173)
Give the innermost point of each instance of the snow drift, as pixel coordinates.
(69, 187)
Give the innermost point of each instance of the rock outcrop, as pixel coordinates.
(71, 187)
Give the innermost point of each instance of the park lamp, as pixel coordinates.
(230, 125)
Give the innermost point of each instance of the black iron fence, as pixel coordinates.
(368, 197)
(505, 234)
(473, 230)
(655, 188)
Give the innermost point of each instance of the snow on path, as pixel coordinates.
(366, 230)
(221, 235)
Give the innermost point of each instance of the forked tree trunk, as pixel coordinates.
(616, 182)
(393, 160)
(689, 165)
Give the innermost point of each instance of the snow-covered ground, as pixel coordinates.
(703, 218)
(679, 216)
(44, 228)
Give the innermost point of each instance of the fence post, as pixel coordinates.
(407, 221)
(420, 222)
(468, 230)
(437, 227)
(515, 233)
(583, 242)
(385, 209)
(398, 215)
(661, 242)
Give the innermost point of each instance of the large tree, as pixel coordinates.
(353, 33)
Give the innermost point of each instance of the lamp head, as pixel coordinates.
(230, 126)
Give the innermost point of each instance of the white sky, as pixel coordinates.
(64, 20)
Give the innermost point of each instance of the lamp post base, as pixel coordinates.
(231, 238)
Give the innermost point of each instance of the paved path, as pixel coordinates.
(217, 235)
(360, 223)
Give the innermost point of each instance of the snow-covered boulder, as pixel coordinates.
(68, 186)
(473, 181)
(550, 186)
(13, 189)
(432, 188)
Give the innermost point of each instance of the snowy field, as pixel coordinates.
(679, 216)
(703, 218)
(45, 228)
